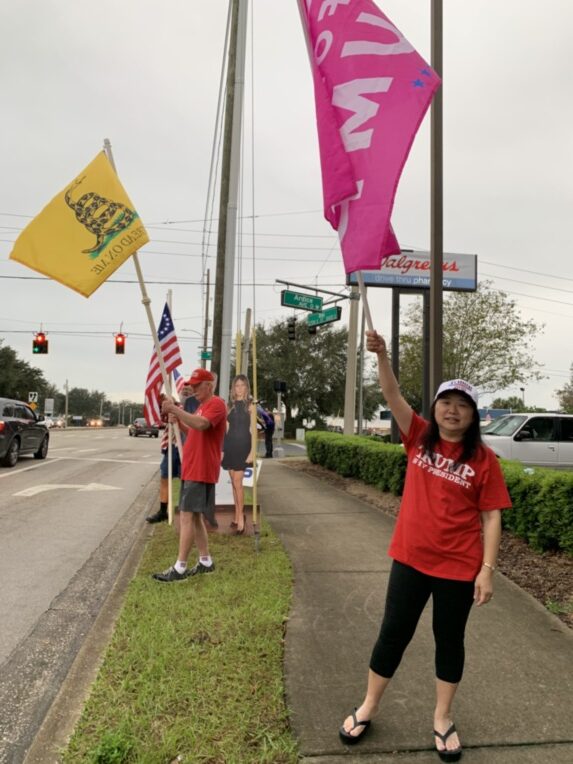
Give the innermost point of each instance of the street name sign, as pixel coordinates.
(300, 300)
(325, 317)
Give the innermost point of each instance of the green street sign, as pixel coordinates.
(206, 355)
(325, 317)
(299, 300)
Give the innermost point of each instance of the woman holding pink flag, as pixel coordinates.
(445, 544)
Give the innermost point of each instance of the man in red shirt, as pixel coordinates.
(205, 430)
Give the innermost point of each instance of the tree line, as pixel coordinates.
(18, 378)
(485, 340)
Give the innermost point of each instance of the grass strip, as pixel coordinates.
(194, 671)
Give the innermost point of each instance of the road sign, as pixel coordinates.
(206, 355)
(49, 406)
(32, 397)
(299, 300)
(33, 406)
(325, 317)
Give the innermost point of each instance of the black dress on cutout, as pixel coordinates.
(237, 443)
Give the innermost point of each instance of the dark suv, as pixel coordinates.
(21, 432)
(140, 427)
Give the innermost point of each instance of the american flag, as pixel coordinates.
(171, 357)
(179, 381)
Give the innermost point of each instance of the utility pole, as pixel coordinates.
(206, 329)
(224, 192)
(233, 204)
(437, 211)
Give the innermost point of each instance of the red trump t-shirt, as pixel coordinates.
(438, 530)
(202, 449)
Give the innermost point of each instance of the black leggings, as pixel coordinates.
(408, 592)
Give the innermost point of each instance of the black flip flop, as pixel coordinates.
(456, 753)
(349, 739)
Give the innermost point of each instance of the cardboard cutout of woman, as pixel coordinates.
(237, 447)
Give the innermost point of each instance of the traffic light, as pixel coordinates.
(311, 329)
(40, 344)
(119, 344)
(291, 327)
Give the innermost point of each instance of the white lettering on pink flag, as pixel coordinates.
(372, 90)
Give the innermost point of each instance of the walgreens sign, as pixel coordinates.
(411, 270)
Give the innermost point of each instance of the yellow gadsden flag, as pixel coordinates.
(85, 233)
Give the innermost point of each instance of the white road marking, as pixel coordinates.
(27, 469)
(113, 461)
(35, 489)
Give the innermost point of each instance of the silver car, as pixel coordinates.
(539, 439)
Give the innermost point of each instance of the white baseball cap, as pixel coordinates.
(461, 386)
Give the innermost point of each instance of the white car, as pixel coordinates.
(544, 440)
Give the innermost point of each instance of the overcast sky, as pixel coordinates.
(146, 75)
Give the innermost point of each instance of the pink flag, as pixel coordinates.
(371, 90)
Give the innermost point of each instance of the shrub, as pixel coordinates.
(374, 462)
(542, 512)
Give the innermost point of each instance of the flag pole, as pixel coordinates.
(255, 444)
(146, 300)
(169, 452)
(364, 298)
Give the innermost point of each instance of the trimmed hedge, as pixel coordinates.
(542, 511)
(542, 499)
(375, 463)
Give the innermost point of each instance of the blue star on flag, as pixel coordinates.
(418, 84)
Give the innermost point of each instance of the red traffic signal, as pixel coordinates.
(40, 343)
(119, 344)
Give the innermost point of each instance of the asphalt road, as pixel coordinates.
(66, 526)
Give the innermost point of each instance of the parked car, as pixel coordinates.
(544, 440)
(140, 427)
(22, 431)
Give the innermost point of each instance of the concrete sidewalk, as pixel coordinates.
(515, 704)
